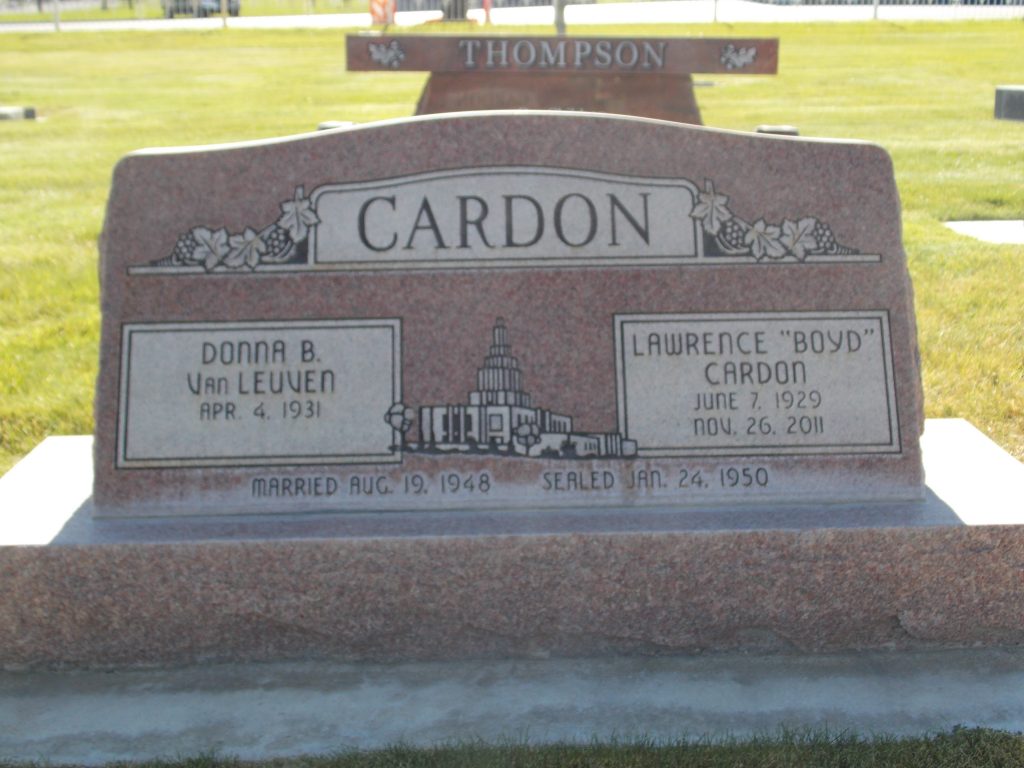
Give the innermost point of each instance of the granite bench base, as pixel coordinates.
(942, 573)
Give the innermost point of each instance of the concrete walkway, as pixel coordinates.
(663, 11)
(277, 710)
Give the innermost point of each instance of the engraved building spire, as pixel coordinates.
(500, 380)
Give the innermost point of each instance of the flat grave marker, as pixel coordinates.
(1010, 102)
(649, 315)
(644, 77)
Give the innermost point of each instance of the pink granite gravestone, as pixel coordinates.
(646, 77)
(487, 312)
(507, 385)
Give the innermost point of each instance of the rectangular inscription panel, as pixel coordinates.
(611, 56)
(256, 393)
(505, 217)
(756, 384)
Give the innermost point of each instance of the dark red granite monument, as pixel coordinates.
(645, 77)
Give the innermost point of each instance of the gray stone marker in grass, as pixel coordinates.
(1010, 102)
(511, 384)
(17, 113)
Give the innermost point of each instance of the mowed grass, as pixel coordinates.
(924, 91)
(959, 748)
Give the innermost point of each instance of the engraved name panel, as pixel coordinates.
(258, 393)
(756, 384)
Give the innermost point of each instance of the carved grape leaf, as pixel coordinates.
(390, 55)
(764, 242)
(246, 250)
(712, 208)
(211, 247)
(297, 216)
(737, 58)
(798, 236)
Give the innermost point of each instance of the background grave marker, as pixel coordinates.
(646, 77)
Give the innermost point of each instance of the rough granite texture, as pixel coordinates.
(521, 596)
(86, 592)
(460, 593)
(660, 96)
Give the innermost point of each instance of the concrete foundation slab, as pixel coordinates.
(1008, 232)
(259, 711)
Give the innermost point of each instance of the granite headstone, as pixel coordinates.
(505, 311)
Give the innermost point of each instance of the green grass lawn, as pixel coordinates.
(924, 91)
(959, 748)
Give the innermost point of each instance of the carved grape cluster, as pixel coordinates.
(220, 250)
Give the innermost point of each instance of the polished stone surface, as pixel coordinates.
(490, 316)
(644, 77)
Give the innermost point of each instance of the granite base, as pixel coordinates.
(941, 573)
